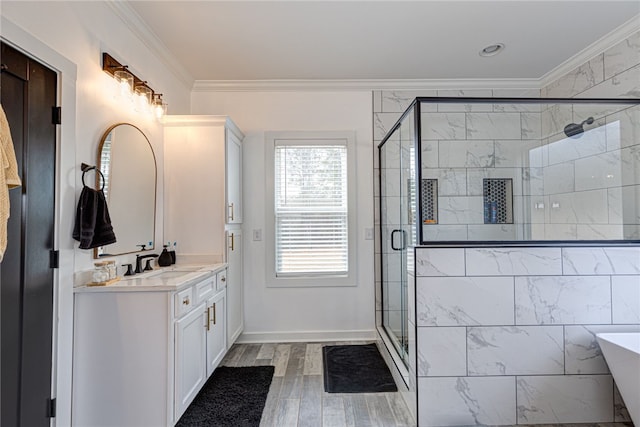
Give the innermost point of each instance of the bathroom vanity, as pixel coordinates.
(145, 346)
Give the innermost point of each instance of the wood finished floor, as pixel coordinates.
(297, 396)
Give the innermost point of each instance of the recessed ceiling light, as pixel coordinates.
(493, 49)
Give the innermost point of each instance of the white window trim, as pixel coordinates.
(310, 138)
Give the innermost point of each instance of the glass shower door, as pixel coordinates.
(396, 213)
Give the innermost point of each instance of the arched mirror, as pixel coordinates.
(127, 161)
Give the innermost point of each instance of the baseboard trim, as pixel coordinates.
(306, 336)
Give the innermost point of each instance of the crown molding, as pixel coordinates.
(142, 31)
(349, 85)
(599, 46)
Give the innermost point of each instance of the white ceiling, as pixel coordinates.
(396, 40)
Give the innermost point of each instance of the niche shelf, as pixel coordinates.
(429, 194)
(498, 200)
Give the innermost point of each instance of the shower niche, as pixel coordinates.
(497, 200)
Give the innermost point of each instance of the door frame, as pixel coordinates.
(62, 347)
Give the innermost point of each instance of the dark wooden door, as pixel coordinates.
(28, 96)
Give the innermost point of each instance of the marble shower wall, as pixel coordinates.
(506, 336)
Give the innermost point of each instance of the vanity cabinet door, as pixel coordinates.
(216, 331)
(190, 365)
(235, 316)
(233, 153)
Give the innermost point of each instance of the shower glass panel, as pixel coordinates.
(397, 219)
(530, 169)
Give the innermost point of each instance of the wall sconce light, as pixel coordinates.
(143, 97)
(130, 86)
(125, 81)
(159, 107)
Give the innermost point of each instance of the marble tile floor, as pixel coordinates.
(297, 396)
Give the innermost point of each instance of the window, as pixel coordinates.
(310, 224)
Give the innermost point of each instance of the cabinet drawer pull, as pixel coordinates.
(185, 301)
(208, 319)
(224, 279)
(232, 238)
(214, 313)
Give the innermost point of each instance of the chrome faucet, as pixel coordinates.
(139, 259)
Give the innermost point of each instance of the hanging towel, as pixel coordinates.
(9, 177)
(93, 224)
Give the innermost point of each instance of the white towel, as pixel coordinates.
(8, 177)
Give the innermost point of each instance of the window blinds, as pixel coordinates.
(311, 210)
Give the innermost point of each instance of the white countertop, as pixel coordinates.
(173, 278)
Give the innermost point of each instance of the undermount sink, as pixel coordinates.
(171, 274)
(161, 274)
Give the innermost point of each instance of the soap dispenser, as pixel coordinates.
(172, 252)
(164, 260)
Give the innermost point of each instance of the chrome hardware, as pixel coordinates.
(230, 214)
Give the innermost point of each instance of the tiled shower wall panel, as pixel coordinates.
(507, 335)
(388, 106)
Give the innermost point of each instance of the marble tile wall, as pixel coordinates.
(508, 335)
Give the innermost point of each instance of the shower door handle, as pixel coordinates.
(404, 240)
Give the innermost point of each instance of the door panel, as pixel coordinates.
(397, 207)
(12, 87)
(28, 94)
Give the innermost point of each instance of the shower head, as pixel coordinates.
(574, 129)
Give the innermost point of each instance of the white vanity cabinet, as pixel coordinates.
(203, 198)
(216, 331)
(190, 353)
(235, 317)
(200, 338)
(233, 179)
(144, 348)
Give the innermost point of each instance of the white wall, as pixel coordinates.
(70, 37)
(300, 313)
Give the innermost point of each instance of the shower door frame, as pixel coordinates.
(413, 109)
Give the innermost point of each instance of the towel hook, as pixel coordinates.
(86, 168)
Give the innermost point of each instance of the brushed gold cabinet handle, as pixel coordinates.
(231, 214)
(208, 318)
(214, 313)
(231, 236)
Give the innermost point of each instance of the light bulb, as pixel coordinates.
(125, 81)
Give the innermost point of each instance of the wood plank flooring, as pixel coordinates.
(297, 396)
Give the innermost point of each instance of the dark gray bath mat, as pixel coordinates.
(356, 369)
(231, 397)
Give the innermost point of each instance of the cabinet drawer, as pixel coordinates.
(184, 301)
(204, 289)
(221, 280)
